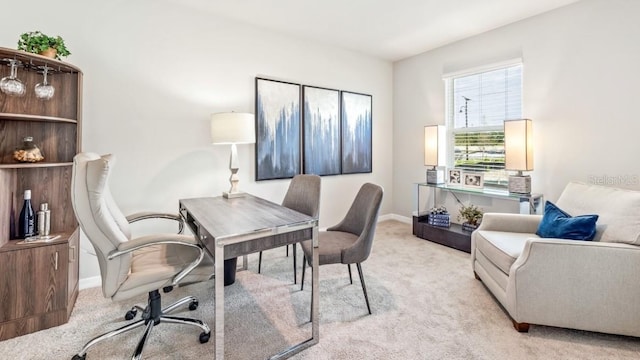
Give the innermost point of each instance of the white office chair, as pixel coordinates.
(131, 267)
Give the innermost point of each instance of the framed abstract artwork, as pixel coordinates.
(356, 132)
(277, 129)
(321, 131)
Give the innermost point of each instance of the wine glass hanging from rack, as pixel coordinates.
(44, 90)
(11, 85)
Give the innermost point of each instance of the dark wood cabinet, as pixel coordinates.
(39, 280)
(452, 236)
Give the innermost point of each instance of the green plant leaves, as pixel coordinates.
(37, 42)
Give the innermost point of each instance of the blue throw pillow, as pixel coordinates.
(558, 224)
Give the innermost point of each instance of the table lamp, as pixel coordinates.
(433, 154)
(518, 152)
(233, 128)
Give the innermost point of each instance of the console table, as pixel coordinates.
(454, 236)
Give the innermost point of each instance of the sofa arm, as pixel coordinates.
(519, 223)
(577, 284)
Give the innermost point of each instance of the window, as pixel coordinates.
(477, 105)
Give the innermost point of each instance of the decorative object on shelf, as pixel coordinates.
(26, 221)
(454, 177)
(43, 90)
(469, 227)
(356, 133)
(472, 216)
(473, 180)
(38, 43)
(11, 85)
(233, 128)
(44, 227)
(321, 119)
(439, 216)
(433, 154)
(277, 129)
(518, 151)
(29, 152)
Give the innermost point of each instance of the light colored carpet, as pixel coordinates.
(426, 305)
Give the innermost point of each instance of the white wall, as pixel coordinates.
(581, 76)
(155, 71)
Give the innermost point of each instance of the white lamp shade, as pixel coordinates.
(233, 128)
(518, 145)
(434, 155)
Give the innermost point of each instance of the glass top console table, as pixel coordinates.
(529, 203)
(453, 235)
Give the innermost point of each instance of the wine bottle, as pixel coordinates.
(26, 227)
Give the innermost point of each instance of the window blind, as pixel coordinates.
(478, 104)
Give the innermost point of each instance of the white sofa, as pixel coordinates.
(586, 285)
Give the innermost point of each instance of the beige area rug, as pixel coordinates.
(426, 305)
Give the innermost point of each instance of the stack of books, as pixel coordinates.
(439, 217)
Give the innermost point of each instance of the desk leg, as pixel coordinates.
(218, 326)
(315, 311)
(245, 262)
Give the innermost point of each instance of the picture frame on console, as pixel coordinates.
(474, 180)
(454, 177)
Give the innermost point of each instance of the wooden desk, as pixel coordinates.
(229, 228)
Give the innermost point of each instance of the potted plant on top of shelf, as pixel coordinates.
(472, 215)
(39, 43)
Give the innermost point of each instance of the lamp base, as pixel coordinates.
(435, 176)
(231, 195)
(520, 184)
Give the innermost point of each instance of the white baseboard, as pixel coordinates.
(91, 282)
(402, 219)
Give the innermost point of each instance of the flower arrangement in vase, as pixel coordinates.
(472, 216)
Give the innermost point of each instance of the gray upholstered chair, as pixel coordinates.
(350, 241)
(134, 266)
(302, 196)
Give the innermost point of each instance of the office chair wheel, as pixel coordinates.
(130, 314)
(78, 357)
(204, 337)
(193, 305)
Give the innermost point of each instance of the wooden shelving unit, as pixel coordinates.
(39, 281)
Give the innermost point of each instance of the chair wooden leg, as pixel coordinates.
(259, 262)
(350, 278)
(521, 327)
(364, 287)
(294, 263)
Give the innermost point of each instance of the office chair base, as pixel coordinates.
(152, 315)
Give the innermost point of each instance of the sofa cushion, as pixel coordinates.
(618, 210)
(502, 248)
(558, 224)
